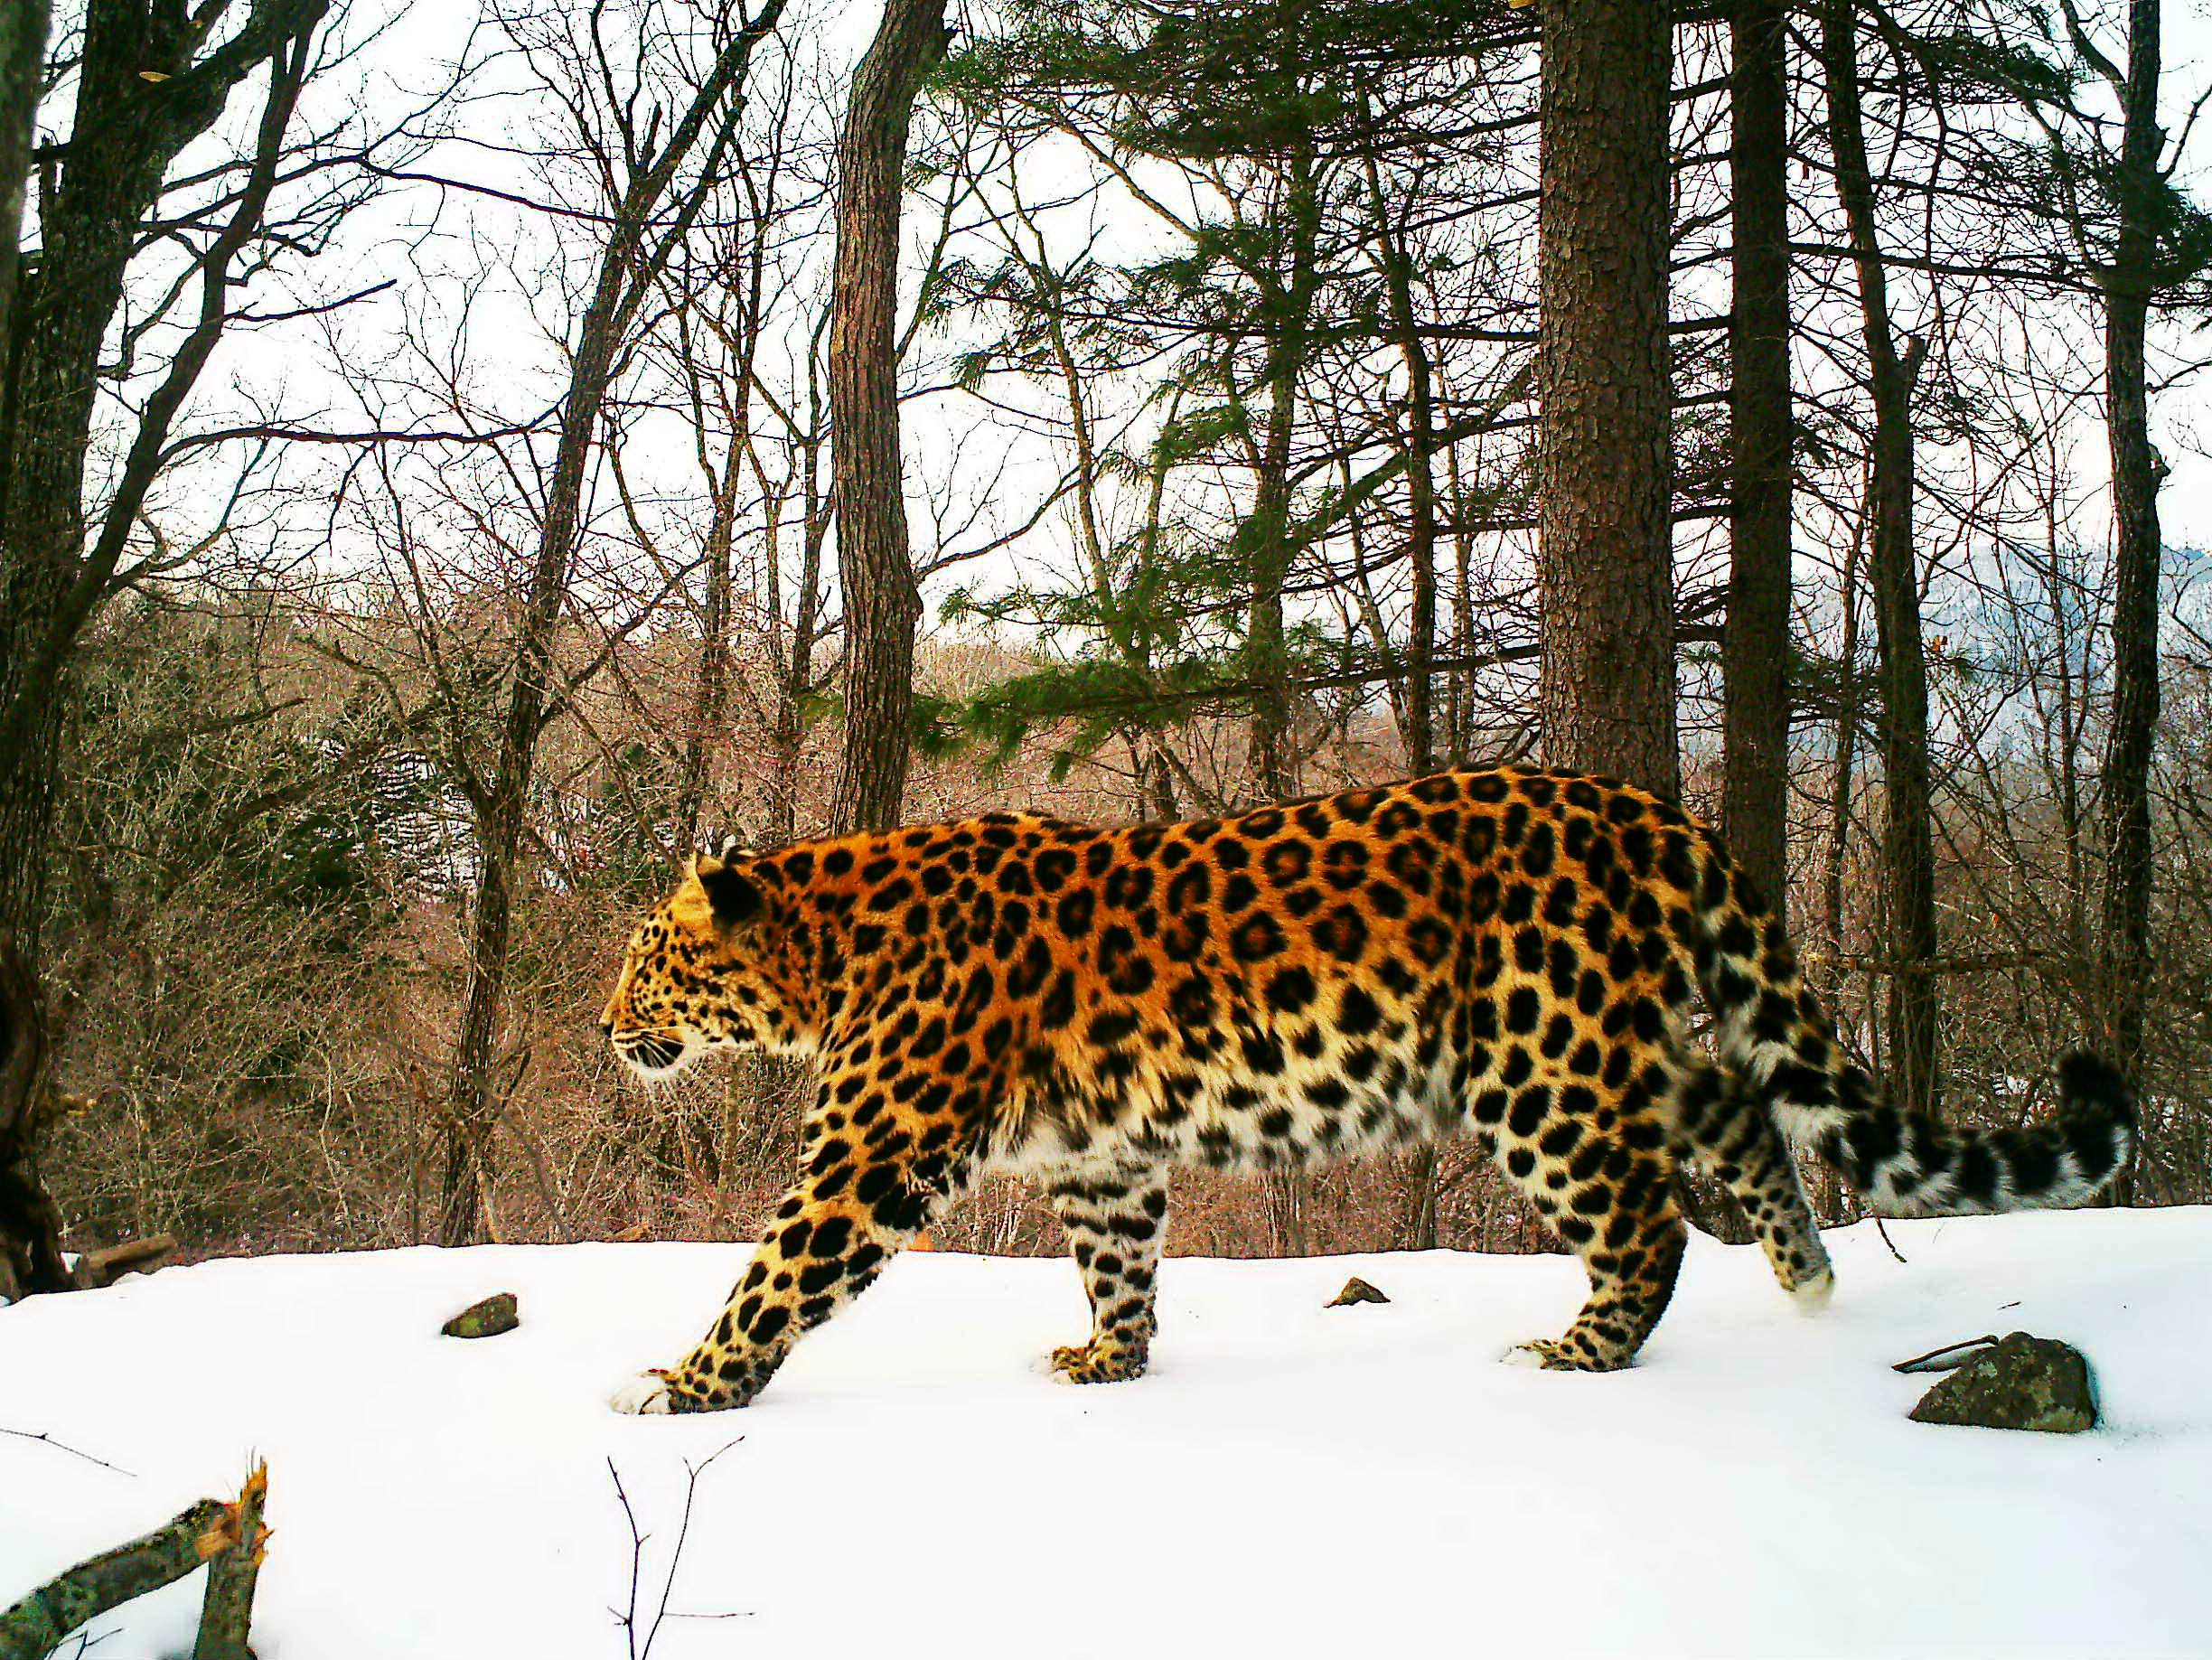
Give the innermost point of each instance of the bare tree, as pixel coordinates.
(645, 144)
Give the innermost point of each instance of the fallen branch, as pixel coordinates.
(36, 1626)
(111, 1262)
(230, 1538)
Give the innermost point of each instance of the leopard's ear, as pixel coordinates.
(731, 890)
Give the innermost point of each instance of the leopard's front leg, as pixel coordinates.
(1115, 1216)
(853, 1210)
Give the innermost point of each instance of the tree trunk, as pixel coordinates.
(148, 83)
(710, 692)
(882, 604)
(1266, 536)
(30, 1230)
(1755, 651)
(1287, 313)
(2137, 474)
(1908, 848)
(1396, 256)
(502, 811)
(1605, 555)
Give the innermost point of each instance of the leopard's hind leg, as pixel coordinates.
(1116, 1216)
(1594, 1162)
(1724, 1125)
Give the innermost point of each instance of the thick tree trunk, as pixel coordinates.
(1908, 848)
(882, 604)
(1605, 553)
(148, 83)
(2137, 472)
(1756, 649)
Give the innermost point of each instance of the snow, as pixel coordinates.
(1290, 1478)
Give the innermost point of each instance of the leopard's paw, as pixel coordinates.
(646, 1392)
(1097, 1362)
(1564, 1355)
(1812, 1294)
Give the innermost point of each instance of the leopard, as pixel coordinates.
(1511, 953)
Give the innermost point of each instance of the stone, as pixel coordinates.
(488, 1319)
(1356, 1290)
(2024, 1383)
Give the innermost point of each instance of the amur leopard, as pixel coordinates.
(1510, 952)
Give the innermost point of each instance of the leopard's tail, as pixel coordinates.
(1773, 1032)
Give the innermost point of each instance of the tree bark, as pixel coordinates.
(1908, 849)
(883, 603)
(2124, 970)
(23, 65)
(1754, 650)
(1605, 555)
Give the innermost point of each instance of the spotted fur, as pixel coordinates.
(1508, 952)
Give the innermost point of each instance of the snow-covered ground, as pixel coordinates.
(1290, 1480)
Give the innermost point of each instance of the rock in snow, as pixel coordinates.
(488, 1319)
(2023, 1382)
(911, 1484)
(1356, 1290)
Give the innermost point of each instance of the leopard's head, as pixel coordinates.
(704, 970)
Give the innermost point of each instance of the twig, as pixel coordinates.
(1919, 1362)
(692, 1472)
(42, 1435)
(627, 1618)
(1882, 1228)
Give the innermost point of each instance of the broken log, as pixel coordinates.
(36, 1626)
(109, 1263)
(230, 1538)
(226, 1614)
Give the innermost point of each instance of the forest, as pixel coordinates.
(456, 461)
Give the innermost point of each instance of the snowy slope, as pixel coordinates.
(1291, 1480)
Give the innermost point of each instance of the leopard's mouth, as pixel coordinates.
(651, 1055)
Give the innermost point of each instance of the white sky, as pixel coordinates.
(955, 445)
